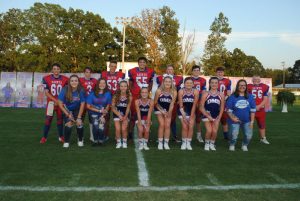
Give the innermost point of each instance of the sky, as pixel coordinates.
(266, 29)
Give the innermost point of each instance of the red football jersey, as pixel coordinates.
(54, 85)
(258, 92)
(224, 85)
(199, 84)
(112, 79)
(140, 79)
(177, 81)
(88, 84)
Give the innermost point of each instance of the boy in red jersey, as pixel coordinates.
(260, 93)
(200, 85)
(139, 77)
(113, 79)
(53, 84)
(88, 83)
(225, 88)
(177, 80)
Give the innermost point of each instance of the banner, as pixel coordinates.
(39, 99)
(23, 89)
(8, 88)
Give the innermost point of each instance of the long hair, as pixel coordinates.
(117, 95)
(237, 93)
(163, 88)
(97, 89)
(212, 78)
(69, 91)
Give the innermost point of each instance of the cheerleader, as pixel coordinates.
(187, 99)
(164, 99)
(212, 107)
(72, 102)
(121, 108)
(144, 107)
(98, 104)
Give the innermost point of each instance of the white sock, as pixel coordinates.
(124, 140)
(166, 140)
(160, 140)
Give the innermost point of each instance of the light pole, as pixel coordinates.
(283, 74)
(124, 21)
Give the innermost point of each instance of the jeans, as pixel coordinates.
(98, 133)
(234, 131)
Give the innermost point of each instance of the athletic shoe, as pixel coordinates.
(264, 141)
(80, 143)
(183, 146)
(61, 139)
(160, 146)
(43, 140)
(188, 146)
(176, 139)
(206, 147)
(146, 146)
(244, 148)
(119, 145)
(66, 145)
(212, 147)
(231, 148)
(200, 139)
(141, 146)
(124, 145)
(166, 146)
(106, 138)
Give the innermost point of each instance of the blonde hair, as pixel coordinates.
(162, 87)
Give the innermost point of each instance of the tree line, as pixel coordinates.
(34, 38)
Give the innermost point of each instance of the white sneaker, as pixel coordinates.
(231, 148)
(212, 147)
(166, 146)
(124, 145)
(80, 143)
(188, 146)
(66, 145)
(183, 145)
(160, 146)
(206, 147)
(141, 146)
(146, 146)
(119, 145)
(200, 139)
(244, 148)
(264, 140)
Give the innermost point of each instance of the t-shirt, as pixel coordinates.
(77, 99)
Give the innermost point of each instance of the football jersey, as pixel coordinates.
(54, 85)
(177, 81)
(140, 79)
(224, 86)
(113, 80)
(258, 92)
(199, 84)
(88, 84)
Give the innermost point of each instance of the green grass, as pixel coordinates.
(23, 161)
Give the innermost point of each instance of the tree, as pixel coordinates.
(169, 37)
(187, 47)
(294, 73)
(215, 53)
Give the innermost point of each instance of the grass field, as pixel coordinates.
(26, 163)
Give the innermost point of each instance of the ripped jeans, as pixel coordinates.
(234, 131)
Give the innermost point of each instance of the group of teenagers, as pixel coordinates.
(131, 105)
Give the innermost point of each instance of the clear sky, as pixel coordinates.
(267, 29)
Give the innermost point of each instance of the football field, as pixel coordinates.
(33, 171)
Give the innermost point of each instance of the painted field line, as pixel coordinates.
(213, 179)
(149, 188)
(143, 173)
(277, 178)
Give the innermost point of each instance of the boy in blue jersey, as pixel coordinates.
(72, 102)
(98, 104)
(241, 110)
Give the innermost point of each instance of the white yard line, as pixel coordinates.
(277, 178)
(143, 173)
(149, 188)
(213, 179)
